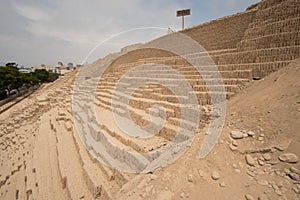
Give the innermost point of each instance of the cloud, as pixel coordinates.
(45, 31)
(31, 12)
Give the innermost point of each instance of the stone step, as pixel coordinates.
(71, 173)
(286, 25)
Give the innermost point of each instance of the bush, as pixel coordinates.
(11, 78)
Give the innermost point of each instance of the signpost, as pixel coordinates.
(182, 13)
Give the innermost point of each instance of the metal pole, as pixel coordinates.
(182, 22)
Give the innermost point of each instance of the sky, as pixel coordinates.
(35, 32)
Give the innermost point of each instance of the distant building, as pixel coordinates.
(24, 71)
(79, 65)
(43, 66)
(62, 70)
(70, 65)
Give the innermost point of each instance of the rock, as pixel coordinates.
(289, 158)
(232, 147)
(234, 143)
(250, 160)
(201, 173)
(260, 162)
(251, 173)
(249, 197)
(252, 168)
(294, 170)
(286, 171)
(260, 138)
(153, 177)
(263, 182)
(236, 134)
(251, 133)
(190, 178)
(278, 192)
(267, 157)
(215, 175)
(275, 187)
(294, 176)
(296, 190)
(222, 184)
(182, 195)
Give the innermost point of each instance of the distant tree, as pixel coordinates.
(42, 75)
(10, 77)
(11, 64)
(29, 79)
(53, 76)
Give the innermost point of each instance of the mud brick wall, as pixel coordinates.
(223, 33)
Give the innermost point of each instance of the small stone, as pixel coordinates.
(250, 173)
(249, 197)
(250, 160)
(286, 171)
(234, 143)
(252, 168)
(237, 170)
(245, 135)
(272, 162)
(222, 184)
(294, 170)
(278, 192)
(267, 156)
(153, 177)
(260, 138)
(280, 184)
(294, 176)
(190, 178)
(275, 187)
(215, 175)
(232, 147)
(201, 173)
(236, 134)
(289, 158)
(260, 162)
(296, 190)
(251, 133)
(182, 195)
(263, 182)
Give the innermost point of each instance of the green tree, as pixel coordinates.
(42, 75)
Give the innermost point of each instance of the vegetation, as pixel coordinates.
(11, 78)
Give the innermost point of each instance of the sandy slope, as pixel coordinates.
(42, 157)
(271, 109)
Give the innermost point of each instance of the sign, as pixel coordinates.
(183, 12)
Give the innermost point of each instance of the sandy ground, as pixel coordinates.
(42, 157)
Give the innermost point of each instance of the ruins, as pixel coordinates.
(43, 155)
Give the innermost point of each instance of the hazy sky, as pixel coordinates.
(46, 31)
